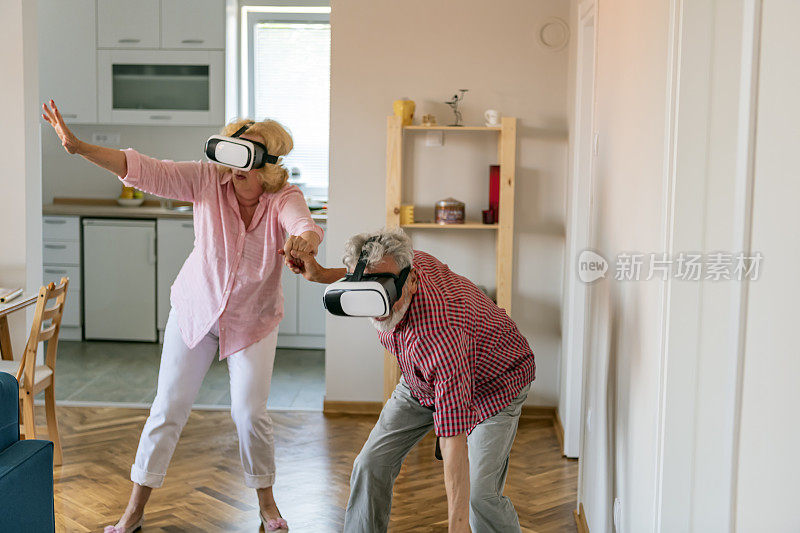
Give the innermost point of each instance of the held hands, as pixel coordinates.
(305, 264)
(298, 254)
(52, 115)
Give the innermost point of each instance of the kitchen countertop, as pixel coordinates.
(117, 211)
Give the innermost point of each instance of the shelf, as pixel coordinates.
(466, 225)
(452, 128)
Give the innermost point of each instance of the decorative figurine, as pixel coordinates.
(457, 98)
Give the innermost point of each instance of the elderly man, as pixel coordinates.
(466, 373)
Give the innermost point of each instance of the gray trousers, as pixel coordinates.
(402, 424)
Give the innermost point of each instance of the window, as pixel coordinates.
(288, 79)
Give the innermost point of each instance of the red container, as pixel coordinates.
(494, 188)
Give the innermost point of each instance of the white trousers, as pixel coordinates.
(179, 378)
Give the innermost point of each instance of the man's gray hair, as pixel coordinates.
(393, 242)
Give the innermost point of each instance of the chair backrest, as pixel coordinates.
(43, 314)
(9, 410)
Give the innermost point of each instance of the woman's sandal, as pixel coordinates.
(273, 524)
(135, 527)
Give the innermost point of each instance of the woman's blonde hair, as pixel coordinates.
(278, 142)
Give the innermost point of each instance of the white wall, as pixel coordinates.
(20, 181)
(426, 50)
(666, 435)
(769, 468)
(66, 175)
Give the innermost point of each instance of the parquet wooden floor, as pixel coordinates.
(204, 492)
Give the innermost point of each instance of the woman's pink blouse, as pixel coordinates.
(233, 274)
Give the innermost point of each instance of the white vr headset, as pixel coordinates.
(238, 153)
(360, 294)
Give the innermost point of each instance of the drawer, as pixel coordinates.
(54, 273)
(61, 253)
(61, 228)
(72, 309)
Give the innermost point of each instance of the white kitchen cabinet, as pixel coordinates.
(72, 309)
(175, 243)
(119, 289)
(67, 58)
(303, 324)
(128, 24)
(311, 319)
(187, 24)
(61, 244)
(288, 325)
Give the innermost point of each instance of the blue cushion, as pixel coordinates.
(9, 410)
(26, 487)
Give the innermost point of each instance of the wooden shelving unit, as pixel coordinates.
(506, 158)
(451, 128)
(466, 225)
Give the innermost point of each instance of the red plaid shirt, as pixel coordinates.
(459, 352)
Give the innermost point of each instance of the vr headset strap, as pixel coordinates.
(401, 280)
(267, 158)
(242, 129)
(358, 271)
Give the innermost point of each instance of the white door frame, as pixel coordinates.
(709, 205)
(579, 218)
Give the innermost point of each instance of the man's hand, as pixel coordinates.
(305, 264)
(456, 481)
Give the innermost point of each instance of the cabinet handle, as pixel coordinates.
(187, 225)
(129, 40)
(56, 246)
(51, 271)
(55, 220)
(160, 117)
(193, 41)
(69, 115)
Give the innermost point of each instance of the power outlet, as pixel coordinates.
(434, 138)
(617, 514)
(105, 139)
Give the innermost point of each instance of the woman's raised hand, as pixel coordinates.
(53, 117)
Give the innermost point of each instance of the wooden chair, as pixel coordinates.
(35, 378)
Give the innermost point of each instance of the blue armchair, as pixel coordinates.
(26, 470)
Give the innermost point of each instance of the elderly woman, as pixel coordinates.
(227, 296)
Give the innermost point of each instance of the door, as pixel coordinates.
(126, 24)
(311, 315)
(67, 58)
(288, 325)
(578, 235)
(193, 24)
(175, 243)
(119, 282)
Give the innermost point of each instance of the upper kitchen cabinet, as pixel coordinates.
(187, 24)
(128, 23)
(67, 60)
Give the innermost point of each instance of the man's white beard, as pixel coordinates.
(394, 319)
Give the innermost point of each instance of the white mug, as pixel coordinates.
(492, 117)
